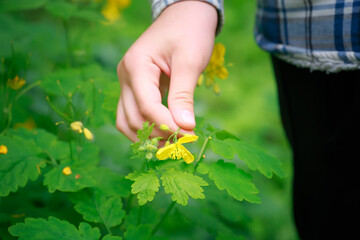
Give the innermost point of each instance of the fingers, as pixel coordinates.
(184, 76)
(122, 123)
(145, 87)
(140, 101)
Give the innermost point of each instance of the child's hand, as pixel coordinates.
(178, 45)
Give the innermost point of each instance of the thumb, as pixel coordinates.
(181, 94)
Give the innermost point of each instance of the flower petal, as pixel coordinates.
(186, 155)
(187, 138)
(165, 152)
(222, 73)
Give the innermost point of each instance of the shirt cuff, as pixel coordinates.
(157, 6)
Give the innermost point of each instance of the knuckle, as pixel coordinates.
(182, 96)
(145, 110)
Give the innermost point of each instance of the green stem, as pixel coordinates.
(26, 89)
(68, 43)
(57, 110)
(139, 215)
(166, 214)
(202, 150)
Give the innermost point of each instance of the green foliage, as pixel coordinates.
(53, 229)
(79, 179)
(235, 181)
(20, 164)
(145, 186)
(255, 158)
(68, 58)
(99, 208)
(181, 185)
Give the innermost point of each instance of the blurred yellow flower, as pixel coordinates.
(88, 134)
(28, 124)
(215, 68)
(77, 126)
(177, 150)
(112, 9)
(3, 149)
(16, 83)
(67, 171)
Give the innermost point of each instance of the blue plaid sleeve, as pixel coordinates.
(157, 6)
(318, 34)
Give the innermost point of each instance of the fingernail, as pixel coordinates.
(188, 117)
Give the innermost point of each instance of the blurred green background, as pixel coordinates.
(247, 105)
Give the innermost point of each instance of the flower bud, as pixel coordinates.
(149, 156)
(164, 127)
(77, 126)
(88, 134)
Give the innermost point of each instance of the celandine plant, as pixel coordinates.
(88, 182)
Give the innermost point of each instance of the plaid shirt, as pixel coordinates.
(318, 34)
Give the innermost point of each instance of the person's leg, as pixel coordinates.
(320, 114)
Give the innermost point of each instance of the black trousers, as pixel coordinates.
(320, 113)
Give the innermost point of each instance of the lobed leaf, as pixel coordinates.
(47, 141)
(79, 178)
(145, 185)
(19, 165)
(181, 185)
(255, 158)
(99, 208)
(234, 180)
(53, 229)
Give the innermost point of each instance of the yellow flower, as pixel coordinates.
(215, 68)
(3, 149)
(67, 171)
(177, 150)
(112, 8)
(16, 83)
(77, 126)
(28, 124)
(88, 134)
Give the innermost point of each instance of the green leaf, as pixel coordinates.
(234, 180)
(98, 208)
(47, 141)
(79, 178)
(61, 9)
(69, 79)
(10, 5)
(145, 185)
(53, 229)
(181, 185)
(89, 233)
(142, 232)
(19, 165)
(255, 158)
(86, 155)
(110, 237)
(144, 133)
(111, 183)
(223, 148)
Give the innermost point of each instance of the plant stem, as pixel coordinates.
(139, 215)
(26, 89)
(202, 150)
(68, 43)
(57, 110)
(168, 210)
